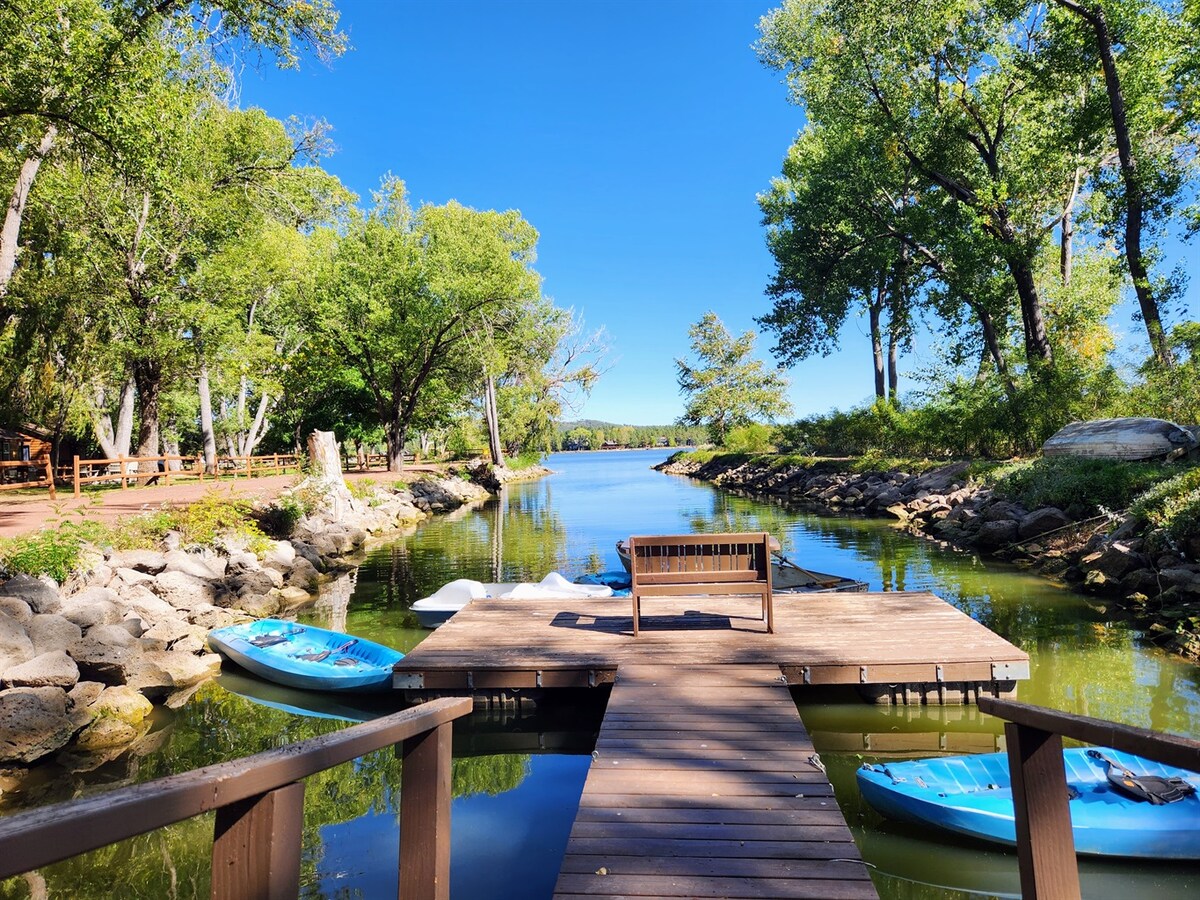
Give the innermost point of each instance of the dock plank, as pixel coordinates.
(661, 816)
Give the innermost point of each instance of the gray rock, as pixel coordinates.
(53, 669)
(292, 597)
(106, 654)
(100, 575)
(52, 632)
(1113, 562)
(996, 534)
(209, 617)
(146, 604)
(261, 582)
(260, 605)
(84, 694)
(33, 723)
(16, 609)
(133, 576)
(281, 555)
(15, 645)
(309, 552)
(95, 606)
(162, 672)
(40, 596)
(105, 732)
(1002, 510)
(167, 632)
(303, 575)
(133, 623)
(1041, 521)
(122, 702)
(183, 591)
(203, 566)
(143, 560)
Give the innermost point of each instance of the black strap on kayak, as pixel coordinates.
(1149, 788)
(325, 654)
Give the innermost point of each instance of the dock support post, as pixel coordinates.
(1045, 844)
(425, 815)
(256, 847)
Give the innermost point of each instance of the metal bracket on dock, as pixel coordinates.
(862, 674)
(939, 674)
(470, 680)
(537, 678)
(592, 678)
(1010, 671)
(806, 675)
(408, 680)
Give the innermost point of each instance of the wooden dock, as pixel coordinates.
(704, 783)
(882, 642)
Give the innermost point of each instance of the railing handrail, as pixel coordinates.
(1045, 840)
(1171, 749)
(38, 837)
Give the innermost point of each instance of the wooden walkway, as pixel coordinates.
(860, 639)
(704, 784)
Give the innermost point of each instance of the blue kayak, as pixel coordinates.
(972, 795)
(304, 656)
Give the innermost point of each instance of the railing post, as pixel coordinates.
(425, 816)
(249, 469)
(123, 472)
(200, 467)
(75, 474)
(50, 476)
(166, 463)
(256, 846)
(1045, 844)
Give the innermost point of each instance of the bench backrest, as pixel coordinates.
(700, 558)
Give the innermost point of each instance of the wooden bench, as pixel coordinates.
(694, 564)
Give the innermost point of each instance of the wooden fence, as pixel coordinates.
(42, 469)
(259, 802)
(1045, 844)
(153, 469)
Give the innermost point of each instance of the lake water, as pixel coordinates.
(518, 778)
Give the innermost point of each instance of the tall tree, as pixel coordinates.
(726, 387)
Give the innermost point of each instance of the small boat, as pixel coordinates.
(435, 609)
(788, 576)
(304, 656)
(1128, 438)
(972, 795)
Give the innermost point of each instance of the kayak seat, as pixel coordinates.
(1152, 789)
(268, 640)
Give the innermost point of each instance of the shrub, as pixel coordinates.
(1172, 505)
(52, 551)
(1078, 486)
(752, 438)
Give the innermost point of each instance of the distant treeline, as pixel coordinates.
(593, 435)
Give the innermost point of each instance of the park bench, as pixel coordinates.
(701, 564)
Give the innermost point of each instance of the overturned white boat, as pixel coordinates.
(1128, 438)
(435, 609)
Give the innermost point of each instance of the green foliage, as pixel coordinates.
(1077, 486)
(215, 518)
(727, 387)
(52, 551)
(753, 438)
(1172, 505)
(526, 460)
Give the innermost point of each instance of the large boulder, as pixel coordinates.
(161, 672)
(106, 653)
(147, 604)
(303, 575)
(40, 596)
(33, 723)
(150, 561)
(15, 645)
(209, 617)
(996, 534)
(280, 555)
(17, 609)
(309, 552)
(94, 606)
(184, 591)
(198, 565)
(53, 669)
(1041, 521)
(1114, 561)
(52, 632)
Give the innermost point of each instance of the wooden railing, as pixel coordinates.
(260, 805)
(1045, 844)
(43, 469)
(119, 469)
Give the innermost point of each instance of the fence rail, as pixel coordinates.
(126, 469)
(1045, 844)
(259, 804)
(43, 469)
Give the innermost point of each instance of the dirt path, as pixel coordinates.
(19, 515)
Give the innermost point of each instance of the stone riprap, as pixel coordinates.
(82, 664)
(1158, 588)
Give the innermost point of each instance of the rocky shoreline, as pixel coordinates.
(82, 664)
(1104, 557)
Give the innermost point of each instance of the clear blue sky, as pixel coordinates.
(633, 135)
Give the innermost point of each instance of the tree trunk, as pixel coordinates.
(1037, 344)
(10, 233)
(115, 444)
(491, 417)
(992, 343)
(873, 310)
(254, 436)
(893, 360)
(1065, 249)
(148, 379)
(1134, 203)
(207, 433)
(325, 458)
(397, 434)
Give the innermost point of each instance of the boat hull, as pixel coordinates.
(273, 649)
(972, 795)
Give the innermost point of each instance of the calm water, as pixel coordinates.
(518, 779)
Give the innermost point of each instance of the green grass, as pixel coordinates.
(1079, 487)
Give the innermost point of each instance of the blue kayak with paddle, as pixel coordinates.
(1121, 804)
(305, 656)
